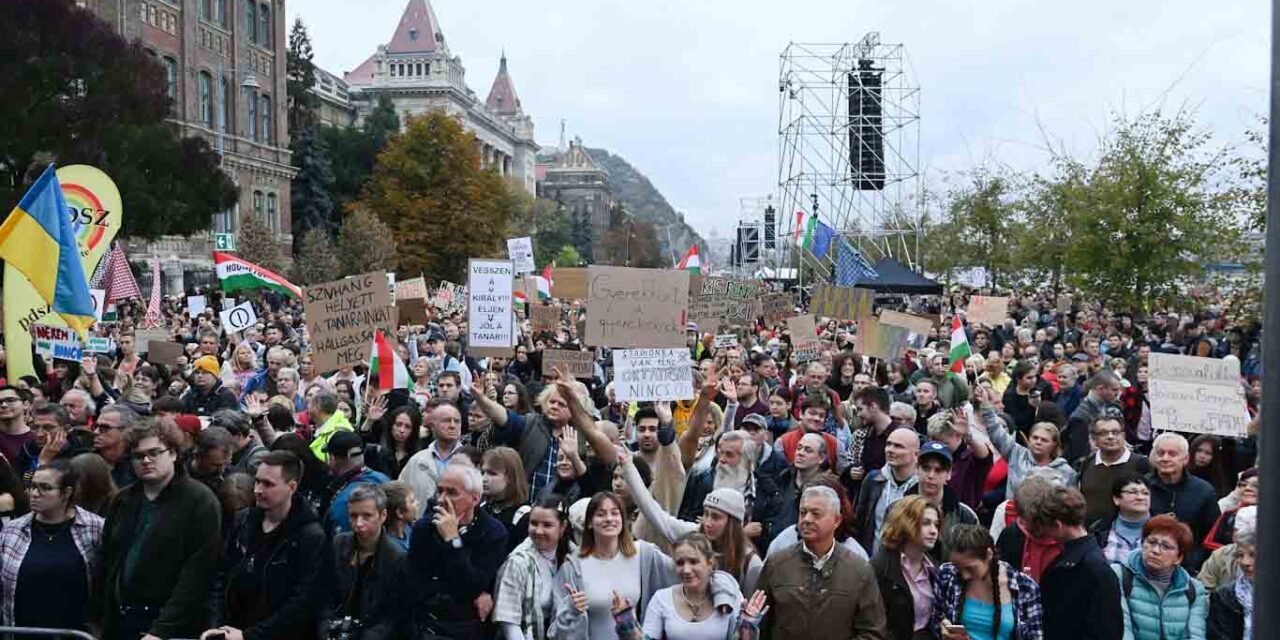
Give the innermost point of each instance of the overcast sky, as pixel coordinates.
(686, 90)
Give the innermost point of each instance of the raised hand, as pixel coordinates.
(569, 445)
(578, 598)
(620, 603)
(377, 408)
(663, 409)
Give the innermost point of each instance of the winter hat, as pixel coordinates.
(728, 501)
(207, 364)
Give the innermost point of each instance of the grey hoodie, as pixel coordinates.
(1019, 457)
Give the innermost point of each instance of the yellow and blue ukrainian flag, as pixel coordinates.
(37, 239)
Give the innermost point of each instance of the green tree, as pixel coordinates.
(540, 219)
(312, 205)
(568, 257)
(76, 92)
(316, 260)
(300, 73)
(441, 207)
(981, 224)
(354, 151)
(583, 234)
(258, 245)
(365, 244)
(1151, 215)
(1047, 205)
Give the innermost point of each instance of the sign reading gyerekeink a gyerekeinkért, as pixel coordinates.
(579, 364)
(490, 321)
(652, 374)
(1196, 395)
(342, 316)
(636, 308)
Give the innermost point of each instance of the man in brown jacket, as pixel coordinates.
(817, 589)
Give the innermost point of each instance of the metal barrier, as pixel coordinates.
(45, 633)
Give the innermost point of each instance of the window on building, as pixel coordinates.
(426, 69)
(224, 222)
(224, 105)
(258, 201)
(206, 9)
(273, 223)
(418, 68)
(251, 117)
(264, 25)
(206, 98)
(171, 81)
(220, 11)
(265, 107)
(251, 20)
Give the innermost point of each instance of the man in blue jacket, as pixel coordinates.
(346, 464)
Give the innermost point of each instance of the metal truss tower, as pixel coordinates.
(849, 148)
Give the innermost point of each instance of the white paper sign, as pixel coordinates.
(196, 305)
(239, 318)
(99, 302)
(1196, 395)
(490, 317)
(59, 342)
(520, 250)
(652, 374)
(726, 340)
(100, 344)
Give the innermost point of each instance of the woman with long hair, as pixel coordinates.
(684, 611)
(506, 492)
(1207, 463)
(844, 367)
(94, 486)
(1024, 394)
(399, 441)
(524, 604)
(1043, 449)
(907, 578)
(721, 522)
(979, 596)
(515, 397)
(241, 366)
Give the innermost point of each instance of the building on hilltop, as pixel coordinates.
(224, 64)
(333, 100)
(418, 73)
(578, 184)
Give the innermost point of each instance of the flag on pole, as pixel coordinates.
(851, 266)
(153, 317)
(119, 280)
(38, 241)
(818, 237)
(691, 261)
(240, 275)
(959, 347)
(385, 366)
(544, 284)
(800, 229)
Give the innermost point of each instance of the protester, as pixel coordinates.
(1176, 491)
(207, 395)
(1103, 400)
(347, 472)
(525, 601)
(1043, 449)
(1231, 605)
(1160, 600)
(906, 576)
(885, 486)
(978, 595)
(506, 492)
(108, 441)
(367, 573)
(1112, 460)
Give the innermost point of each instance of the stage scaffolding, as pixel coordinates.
(814, 166)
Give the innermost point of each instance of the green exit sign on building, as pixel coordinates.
(224, 242)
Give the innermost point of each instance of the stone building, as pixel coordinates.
(418, 72)
(225, 75)
(333, 100)
(578, 184)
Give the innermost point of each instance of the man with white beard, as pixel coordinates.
(734, 468)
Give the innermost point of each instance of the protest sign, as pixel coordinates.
(100, 344)
(544, 317)
(918, 326)
(1063, 303)
(163, 352)
(777, 306)
(804, 337)
(520, 251)
(726, 340)
(342, 316)
(987, 310)
(652, 374)
(58, 342)
(1196, 395)
(412, 289)
(569, 283)
(412, 311)
(880, 340)
(196, 305)
(490, 321)
(843, 303)
(99, 302)
(239, 318)
(718, 302)
(579, 364)
(632, 308)
(142, 338)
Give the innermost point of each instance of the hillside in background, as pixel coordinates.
(646, 203)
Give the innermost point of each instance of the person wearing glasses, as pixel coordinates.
(1111, 460)
(108, 441)
(1159, 599)
(53, 440)
(159, 544)
(48, 554)
(1122, 533)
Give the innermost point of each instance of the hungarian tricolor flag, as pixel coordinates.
(959, 346)
(544, 284)
(691, 262)
(241, 275)
(385, 367)
(800, 228)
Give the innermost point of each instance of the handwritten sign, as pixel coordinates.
(100, 344)
(1196, 395)
(635, 308)
(196, 305)
(918, 326)
(580, 364)
(804, 337)
(718, 302)
(988, 310)
(652, 374)
(490, 321)
(239, 318)
(879, 340)
(569, 283)
(777, 306)
(726, 340)
(844, 303)
(412, 289)
(520, 250)
(57, 342)
(342, 316)
(544, 317)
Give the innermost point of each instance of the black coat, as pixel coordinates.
(899, 604)
(763, 508)
(381, 595)
(1192, 501)
(443, 582)
(1226, 616)
(290, 575)
(205, 404)
(1081, 595)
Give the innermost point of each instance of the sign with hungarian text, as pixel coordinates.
(342, 316)
(1196, 395)
(490, 321)
(652, 374)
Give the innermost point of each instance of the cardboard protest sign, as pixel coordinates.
(716, 302)
(412, 311)
(988, 310)
(446, 296)
(1063, 303)
(196, 305)
(412, 289)
(520, 251)
(142, 338)
(342, 316)
(918, 326)
(166, 353)
(879, 340)
(777, 306)
(544, 317)
(490, 321)
(580, 364)
(1196, 395)
(634, 308)
(569, 283)
(652, 374)
(843, 303)
(239, 318)
(99, 302)
(804, 337)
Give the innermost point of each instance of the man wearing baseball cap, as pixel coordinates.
(207, 395)
(346, 464)
(933, 472)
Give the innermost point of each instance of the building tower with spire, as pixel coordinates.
(418, 73)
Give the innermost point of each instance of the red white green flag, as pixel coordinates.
(691, 261)
(385, 367)
(236, 274)
(959, 346)
(544, 284)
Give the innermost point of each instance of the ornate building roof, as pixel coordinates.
(418, 31)
(502, 95)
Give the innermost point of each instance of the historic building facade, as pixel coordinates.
(578, 184)
(418, 73)
(224, 62)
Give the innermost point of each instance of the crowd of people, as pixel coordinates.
(236, 492)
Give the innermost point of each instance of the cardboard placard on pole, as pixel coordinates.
(636, 308)
(342, 316)
(544, 317)
(412, 289)
(239, 318)
(777, 306)
(490, 321)
(520, 251)
(804, 337)
(1197, 395)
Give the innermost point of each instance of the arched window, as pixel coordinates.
(206, 98)
(264, 25)
(265, 107)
